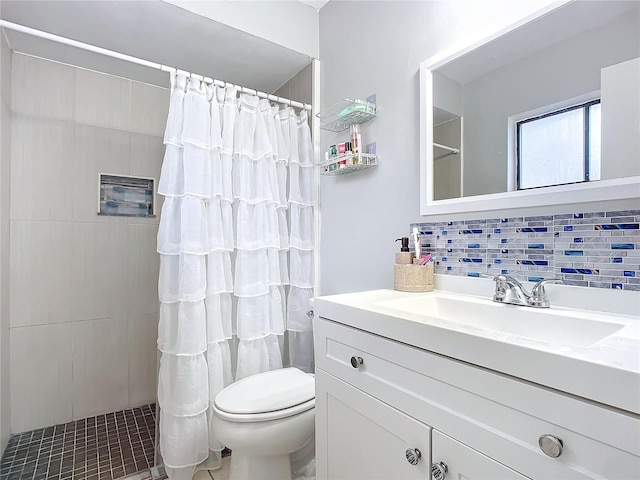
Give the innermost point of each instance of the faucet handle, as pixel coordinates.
(538, 288)
(539, 294)
(498, 278)
(509, 281)
(502, 286)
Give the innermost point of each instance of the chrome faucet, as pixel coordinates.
(509, 290)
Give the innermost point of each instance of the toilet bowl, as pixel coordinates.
(264, 419)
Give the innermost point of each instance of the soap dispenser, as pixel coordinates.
(404, 256)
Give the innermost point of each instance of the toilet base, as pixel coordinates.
(254, 467)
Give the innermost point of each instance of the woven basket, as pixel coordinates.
(413, 278)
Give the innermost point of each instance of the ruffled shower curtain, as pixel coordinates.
(236, 257)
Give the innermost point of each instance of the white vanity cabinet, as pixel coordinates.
(366, 439)
(453, 459)
(378, 400)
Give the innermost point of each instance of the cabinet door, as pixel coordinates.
(361, 438)
(463, 462)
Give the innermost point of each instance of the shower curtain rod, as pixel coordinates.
(146, 63)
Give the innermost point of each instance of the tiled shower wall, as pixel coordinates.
(590, 249)
(5, 187)
(83, 286)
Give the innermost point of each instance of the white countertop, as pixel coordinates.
(607, 372)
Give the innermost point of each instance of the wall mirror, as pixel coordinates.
(546, 112)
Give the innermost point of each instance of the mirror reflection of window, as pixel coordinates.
(577, 53)
(559, 147)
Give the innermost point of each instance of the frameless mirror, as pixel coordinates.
(547, 110)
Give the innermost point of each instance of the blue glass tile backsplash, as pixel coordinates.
(591, 249)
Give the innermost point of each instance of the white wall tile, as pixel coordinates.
(143, 358)
(144, 264)
(97, 150)
(5, 159)
(147, 153)
(149, 109)
(100, 367)
(5, 73)
(5, 318)
(5, 186)
(42, 89)
(300, 86)
(41, 372)
(101, 270)
(102, 100)
(69, 264)
(42, 173)
(42, 290)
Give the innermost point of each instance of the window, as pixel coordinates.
(559, 147)
(126, 196)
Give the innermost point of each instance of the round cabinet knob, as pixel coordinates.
(439, 470)
(356, 362)
(551, 445)
(413, 455)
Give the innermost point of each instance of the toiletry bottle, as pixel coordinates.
(405, 244)
(356, 141)
(405, 256)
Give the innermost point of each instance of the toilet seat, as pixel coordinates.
(267, 396)
(267, 416)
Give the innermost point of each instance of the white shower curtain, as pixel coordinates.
(236, 256)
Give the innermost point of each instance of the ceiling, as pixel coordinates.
(153, 30)
(317, 4)
(560, 24)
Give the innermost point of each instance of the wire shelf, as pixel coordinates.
(334, 166)
(343, 114)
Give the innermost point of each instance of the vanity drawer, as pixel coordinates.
(497, 415)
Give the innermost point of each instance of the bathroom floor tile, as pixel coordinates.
(202, 475)
(223, 472)
(105, 447)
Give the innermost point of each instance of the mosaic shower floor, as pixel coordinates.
(104, 447)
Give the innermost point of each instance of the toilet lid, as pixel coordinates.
(267, 392)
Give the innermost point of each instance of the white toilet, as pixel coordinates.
(264, 419)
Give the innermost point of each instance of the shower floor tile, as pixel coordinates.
(105, 447)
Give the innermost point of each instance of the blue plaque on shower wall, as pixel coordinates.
(126, 196)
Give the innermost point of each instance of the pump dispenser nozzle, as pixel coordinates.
(405, 244)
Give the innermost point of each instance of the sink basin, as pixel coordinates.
(577, 328)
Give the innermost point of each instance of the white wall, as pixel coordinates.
(558, 73)
(376, 47)
(5, 188)
(83, 287)
(291, 24)
(620, 119)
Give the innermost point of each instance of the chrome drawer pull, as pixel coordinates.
(413, 455)
(439, 470)
(551, 445)
(356, 362)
